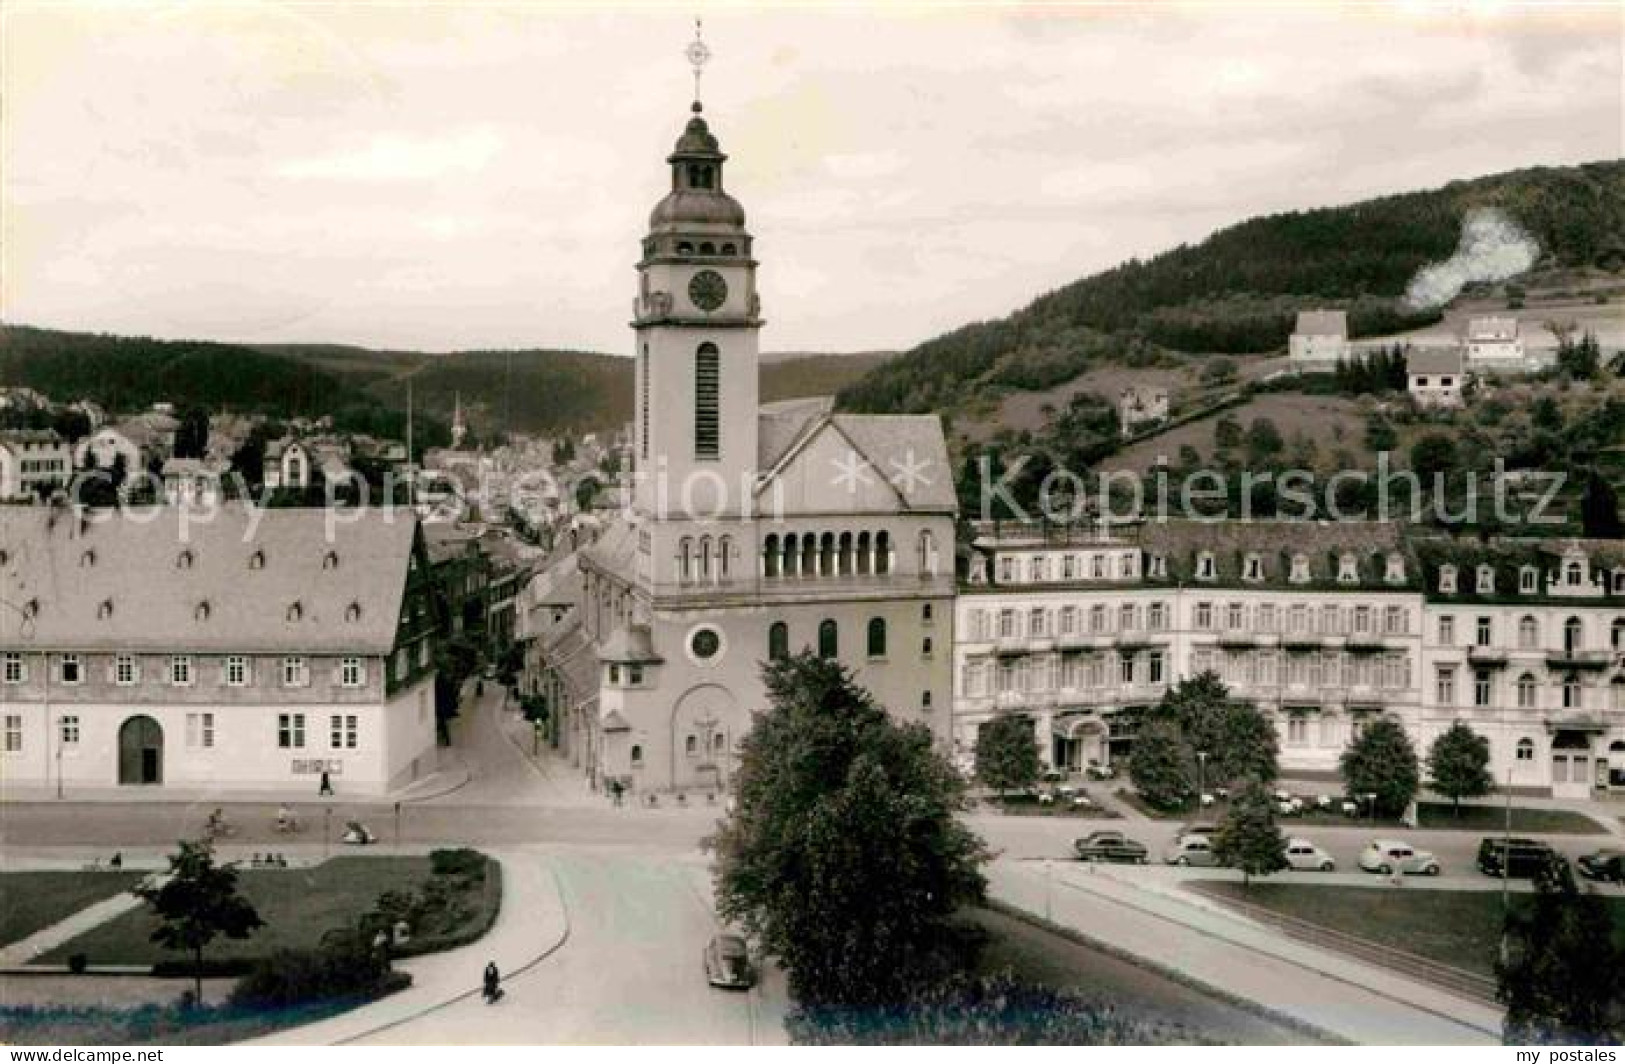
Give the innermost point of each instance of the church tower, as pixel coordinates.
(696, 322)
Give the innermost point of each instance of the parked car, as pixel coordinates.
(1053, 775)
(1111, 846)
(1100, 772)
(1515, 858)
(1194, 850)
(1607, 866)
(1198, 829)
(727, 963)
(1305, 856)
(1385, 856)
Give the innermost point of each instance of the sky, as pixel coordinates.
(475, 175)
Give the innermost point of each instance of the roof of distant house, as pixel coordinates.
(1322, 323)
(1433, 360)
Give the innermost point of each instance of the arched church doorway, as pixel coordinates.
(140, 752)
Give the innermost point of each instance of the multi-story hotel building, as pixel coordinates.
(1322, 626)
(248, 649)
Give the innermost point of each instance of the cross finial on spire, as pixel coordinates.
(698, 55)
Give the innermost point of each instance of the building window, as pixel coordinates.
(290, 731)
(1485, 582)
(1204, 615)
(1526, 691)
(691, 746)
(1007, 624)
(342, 731)
(1300, 569)
(637, 753)
(778, 641)
(1528, 580)
(124, 670)
(634, 675)
(1036, 623)
(877, 637)
(1204, 566)
(1573, 574)
(1526, 750)
(1447, 631)
(828, 639)
(1447, 579)
(925, 647)
(1394, 572)
(926, 614)
(1297, 730)
(1126, 668)
(705, 643)
(706, 429)
(200, 730)
(14, 733)
(1154, 667)
(1159, 565)
(1253, 569)
(68, 730)
(180, 670)
(236, 671)
(1616, 634)
(1348, 572)
(13, 667)
(1482, 687)
(294, 673)
(925, 700)
(1483, 632)
(1234, 616)
(351, 674)
(1571, 635)
(1445, 686)
(1528, 633)
(72, 671)
(1572, 695)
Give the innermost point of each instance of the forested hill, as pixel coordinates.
(535, 391)
(1238, 290)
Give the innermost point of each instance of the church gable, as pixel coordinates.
(828, 474)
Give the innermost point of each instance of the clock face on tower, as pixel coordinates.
(707, 290)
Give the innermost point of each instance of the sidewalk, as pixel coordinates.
(450, 776)
(1240, 958)
(532, 925)
(46, 939)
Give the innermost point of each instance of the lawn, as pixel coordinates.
(298, 905)
(1459, 928)
(30, 901)
(1490, 819)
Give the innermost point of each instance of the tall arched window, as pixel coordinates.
(1571, 693)
(809, 554)
(882, 553)
(724, 548)
(828, 639)
(1526, 691)
(1616, 634)
(928, 554)
(778, 641)
(643, 402)
(1528, 633)
(877, 637)
(770, 556)
(1571, 635)
(707, 431)
(826, 554)
(685, 549)
(864, 554)
(705, 557)
(1526, 749)
(846, 568)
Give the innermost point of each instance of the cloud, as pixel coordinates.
(397, 158)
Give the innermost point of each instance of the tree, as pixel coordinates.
(1431, 456)
(192, 434)
(1263, 440)
(1006, 754)
(1562, 978)
(843, 854)
(1459, 762)
(1238, 740)
(1248, 838)
(1162, 765)
(455, 660)
(1580, 358)
(1599, 509)
(1227, 432)
(198, 903)
(1382, 762)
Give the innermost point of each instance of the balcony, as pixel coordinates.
(1579, 659)
(1301, 641)
(1364, 643)
(1237, 640)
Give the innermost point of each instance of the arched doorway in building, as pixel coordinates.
(140, 752)
(1571, 764)
(1080, 743)
(706, 730)
(1616, 766)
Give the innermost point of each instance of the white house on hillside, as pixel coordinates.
(1434, 376)
(1319, 342)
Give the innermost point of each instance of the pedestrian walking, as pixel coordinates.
(326, 788)
(493, 983)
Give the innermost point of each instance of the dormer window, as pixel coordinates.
(1159, 565)
(1485, 580)
(1205, 569)
(1395, 570)
(1528, 580)
(1348, 570)
(1447, 579)
(1619, 581)
(1252, 568)
(1300, 569)
(1574, 574)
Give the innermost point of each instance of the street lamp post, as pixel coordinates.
(327, 832)
(1201, 783)
(1370, 798)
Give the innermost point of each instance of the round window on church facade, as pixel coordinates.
(705, 643)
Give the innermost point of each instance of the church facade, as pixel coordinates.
(751, 532)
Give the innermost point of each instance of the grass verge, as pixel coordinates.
(31, 901)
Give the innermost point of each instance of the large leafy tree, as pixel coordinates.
(1162, 765)
(1459, 762)
(1382, 762)
(1238, 740)
(1562, 978)
(197, 903)
(1006, 754)
(843, 854)
(1247, 837)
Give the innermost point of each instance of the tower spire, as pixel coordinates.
(698, 55)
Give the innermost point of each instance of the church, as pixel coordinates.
(751, 532)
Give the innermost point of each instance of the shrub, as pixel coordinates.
(459, 862)
(344, 967)
(77, 963)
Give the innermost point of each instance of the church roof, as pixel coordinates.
(227, 583)
(632, 643)
(908, 450)
(614, 548)
(779, 425)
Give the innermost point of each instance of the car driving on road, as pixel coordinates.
(1386, 856)
(1110, 846)
(1192, 850)
(1305, 856)
(1514, 858)
(727, 963)
(1606, 866)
